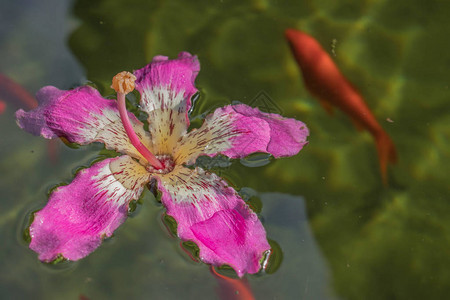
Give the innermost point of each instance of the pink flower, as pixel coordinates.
(208, 212)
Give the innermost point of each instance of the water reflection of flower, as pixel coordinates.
(208, 212)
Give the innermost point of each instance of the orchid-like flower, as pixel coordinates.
(207, 211)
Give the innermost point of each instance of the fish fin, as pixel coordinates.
(53, 151)
(327, 106)
(386, 153)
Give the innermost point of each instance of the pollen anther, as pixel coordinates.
(123, 82)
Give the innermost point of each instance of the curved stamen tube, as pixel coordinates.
(123, 83)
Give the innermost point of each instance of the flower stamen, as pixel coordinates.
(123, 83)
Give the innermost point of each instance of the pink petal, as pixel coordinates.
(239, 130)
(79, 215)
(287, 136)
(81, 116)
(166, 88)
(228, 237)
(212, 215)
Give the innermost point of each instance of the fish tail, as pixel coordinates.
(386, 153)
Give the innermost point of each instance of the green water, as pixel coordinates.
(342, 233)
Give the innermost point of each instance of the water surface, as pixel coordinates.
(342, 233)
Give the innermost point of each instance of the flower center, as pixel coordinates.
(167, 162)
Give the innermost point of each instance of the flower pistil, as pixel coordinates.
(123, 83)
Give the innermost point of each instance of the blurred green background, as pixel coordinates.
(343, 234)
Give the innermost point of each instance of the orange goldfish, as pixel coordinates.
(324, 80)
(2, 106)
(16, 95)
(233, 289)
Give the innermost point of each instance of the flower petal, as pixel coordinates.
(212, 215)
(81, 116)
(79, 215)
(166, 88)
(239, 130)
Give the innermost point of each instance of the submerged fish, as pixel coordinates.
(15, 95)
(2, 106)
(324, 80)
(232, 289)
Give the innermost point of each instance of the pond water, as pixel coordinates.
(341, 233)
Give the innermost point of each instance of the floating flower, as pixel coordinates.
(207, 211)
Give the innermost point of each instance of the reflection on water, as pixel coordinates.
(377, 242)
(303, 272)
